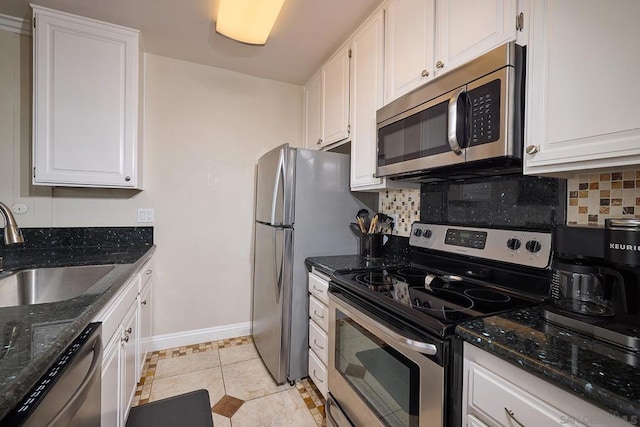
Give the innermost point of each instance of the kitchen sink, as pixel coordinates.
(41, 285)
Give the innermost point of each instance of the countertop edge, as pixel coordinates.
(598, 396)
(32, 372)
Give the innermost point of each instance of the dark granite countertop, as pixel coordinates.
(602, 374)
(345, 263)
(43, 331)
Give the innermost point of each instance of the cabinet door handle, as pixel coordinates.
(148, 272)
(316, 376)
(439, 64)
(425, 73)
(532, 149)
(144, 302)
(317, 290)
(125, 339)
(317, 345)
(511, 415)
(128, 331)
(318, 315)
(127, 178)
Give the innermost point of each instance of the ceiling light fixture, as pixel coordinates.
(247, 21)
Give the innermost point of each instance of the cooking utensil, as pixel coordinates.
(372, 226)
(363, 218)
(363, 213)
(441, 281)
(361, 225)
(355, 228)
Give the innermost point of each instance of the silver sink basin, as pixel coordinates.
(41, 285)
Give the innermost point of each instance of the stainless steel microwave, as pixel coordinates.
(468, 122)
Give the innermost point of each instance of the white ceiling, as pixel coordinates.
(306, 32)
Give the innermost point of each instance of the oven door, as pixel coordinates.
(378, 376)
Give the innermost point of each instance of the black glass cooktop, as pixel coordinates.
(429, 300)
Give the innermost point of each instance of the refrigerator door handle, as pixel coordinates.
(279, 175)
(277, 270)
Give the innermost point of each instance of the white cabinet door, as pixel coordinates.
(144, 325)
(467, 29)
(582, 86)
(110, 391)
(474, 422)
(409, 45)
(128, 360)
(336, 98)
(367, 68)
(85, 100)
(314, 94)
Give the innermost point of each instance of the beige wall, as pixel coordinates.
(204, 130)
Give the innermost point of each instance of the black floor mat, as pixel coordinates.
(191, 409)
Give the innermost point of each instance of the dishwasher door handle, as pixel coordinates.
(64, 416)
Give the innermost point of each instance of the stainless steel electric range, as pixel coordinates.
(395, 359)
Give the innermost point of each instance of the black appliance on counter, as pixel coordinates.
(596, 279)
(396, 360)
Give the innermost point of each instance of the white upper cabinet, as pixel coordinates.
(467, 29)
(409, 45)
(426, 38)
(367, 50)
(336, 98)
(582, 107)
(313, 97)
(85, 102)
(327, 103)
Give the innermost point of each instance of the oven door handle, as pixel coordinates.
(408, 343)
(419, 346)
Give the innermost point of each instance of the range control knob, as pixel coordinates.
(533, 246)
(514, 244)
(417, 232)
(427, 233)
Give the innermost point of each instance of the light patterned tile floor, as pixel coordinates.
(241, 390)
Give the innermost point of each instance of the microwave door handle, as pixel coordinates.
(452, 122)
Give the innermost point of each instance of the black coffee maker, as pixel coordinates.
(596, 281)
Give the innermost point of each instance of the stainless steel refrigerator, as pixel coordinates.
(303, 208)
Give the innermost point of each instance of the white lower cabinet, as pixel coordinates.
(125, 321)
(318, 329)
(128, 343)
(497, 393)
(111, 406)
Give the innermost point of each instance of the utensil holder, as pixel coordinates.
(371, 245)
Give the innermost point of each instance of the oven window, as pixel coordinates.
(384, 378)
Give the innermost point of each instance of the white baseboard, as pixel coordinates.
(196, 336)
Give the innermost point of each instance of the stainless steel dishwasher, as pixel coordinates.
(68, 394)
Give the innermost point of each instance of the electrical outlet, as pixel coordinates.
(145, 215)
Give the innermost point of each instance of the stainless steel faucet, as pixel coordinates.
(12, 233)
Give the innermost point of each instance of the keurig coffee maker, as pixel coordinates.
(596, 275)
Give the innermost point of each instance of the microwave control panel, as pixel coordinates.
(529, 248)
(484, 102)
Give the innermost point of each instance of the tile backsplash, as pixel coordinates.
(402, 202)
(592, 198)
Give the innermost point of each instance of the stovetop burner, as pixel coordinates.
(378, 279)
(487, 295)
(438, 307)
